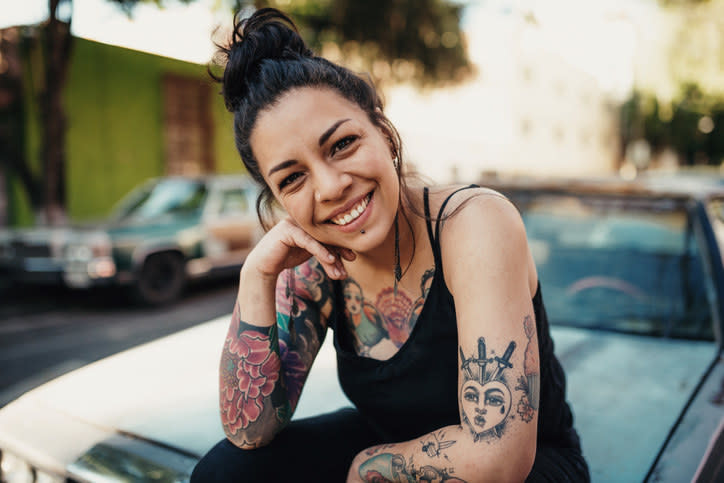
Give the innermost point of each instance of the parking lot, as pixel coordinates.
(48, 331)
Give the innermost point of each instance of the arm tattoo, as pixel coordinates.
(530, 382)
(485, 395)
(249, 373)
(485, 398)
(433, 444)
(263, 369)
(393, 468)
(390, 466)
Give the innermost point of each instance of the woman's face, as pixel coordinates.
(353, 298)
(485, 405)
(329, 167)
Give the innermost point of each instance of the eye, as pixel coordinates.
(471, 396)
(289, 180)
(494, 400)
(343, 143)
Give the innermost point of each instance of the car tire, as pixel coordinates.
(161, 279)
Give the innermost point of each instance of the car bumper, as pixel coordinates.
(90, 273)
(38, 270)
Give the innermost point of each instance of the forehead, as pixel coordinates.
(300, 113)
(351, 288)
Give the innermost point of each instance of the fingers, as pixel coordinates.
(330, 261)
(347, 254)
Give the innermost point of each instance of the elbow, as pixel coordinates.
(243, 440)
(520, 467)
(511, 468)
(246, 434)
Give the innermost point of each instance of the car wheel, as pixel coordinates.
(161, 279)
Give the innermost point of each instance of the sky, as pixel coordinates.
(600, 37)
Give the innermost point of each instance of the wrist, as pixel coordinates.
(257, 297)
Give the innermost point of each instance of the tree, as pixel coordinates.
(692, 124)
(416, 40)
(407, 40)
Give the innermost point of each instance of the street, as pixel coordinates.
(46, 332)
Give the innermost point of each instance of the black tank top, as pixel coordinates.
(415, 391)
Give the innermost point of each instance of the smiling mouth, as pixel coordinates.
(347, 218)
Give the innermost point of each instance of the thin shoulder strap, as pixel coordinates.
(428, 218)
(436, 238)
(444, 205)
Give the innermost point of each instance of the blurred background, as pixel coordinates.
(103, 102)
(125, 212)
(98, 95)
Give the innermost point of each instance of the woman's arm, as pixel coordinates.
(490, 275)
(278, 324)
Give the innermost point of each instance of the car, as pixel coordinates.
(633, 282)
(165, 232)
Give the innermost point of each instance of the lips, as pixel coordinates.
(351, 214)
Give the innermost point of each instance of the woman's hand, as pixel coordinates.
(286, 245)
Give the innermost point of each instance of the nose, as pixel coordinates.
(330, 183)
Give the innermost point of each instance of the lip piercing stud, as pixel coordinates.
(362, 231)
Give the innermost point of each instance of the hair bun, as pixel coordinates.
(267, 34)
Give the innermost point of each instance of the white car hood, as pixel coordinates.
(165, 391)
(626, 393)
(129, 392)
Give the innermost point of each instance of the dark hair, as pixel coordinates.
(266, 58)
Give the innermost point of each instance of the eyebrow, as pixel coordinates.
(280, 166)
(326, 134)
(322, 139)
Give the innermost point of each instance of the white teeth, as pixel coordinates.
(352, 215)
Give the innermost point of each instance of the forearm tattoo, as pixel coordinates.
(393, 467)
(263, 369)
(249, 374)
(485, 395)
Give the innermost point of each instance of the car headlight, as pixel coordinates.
(43, 477)
(14, 469)
(93, 245)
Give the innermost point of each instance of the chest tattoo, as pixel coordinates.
(383, 324)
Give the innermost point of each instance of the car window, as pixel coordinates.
(617, 264)
(715, 208)
(168, 196)
(234, 202)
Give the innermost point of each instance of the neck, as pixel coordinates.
(382, 258)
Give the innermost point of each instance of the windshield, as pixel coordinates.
(167, 196)
(629, 265)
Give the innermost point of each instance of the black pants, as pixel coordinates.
(320, 449)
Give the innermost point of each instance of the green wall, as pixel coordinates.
(115, 117)
(114, 107)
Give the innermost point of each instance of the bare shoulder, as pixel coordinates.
(474, 210)
(482, 228)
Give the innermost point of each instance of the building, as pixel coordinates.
(130, 116)
(528, 111)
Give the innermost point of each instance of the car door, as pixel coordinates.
(232, 228)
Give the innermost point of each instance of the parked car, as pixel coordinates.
(633, 281)
(165, 232)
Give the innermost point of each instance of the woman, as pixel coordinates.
(432, 295)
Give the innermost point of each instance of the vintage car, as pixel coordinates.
(633, 281)
(165, 232)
